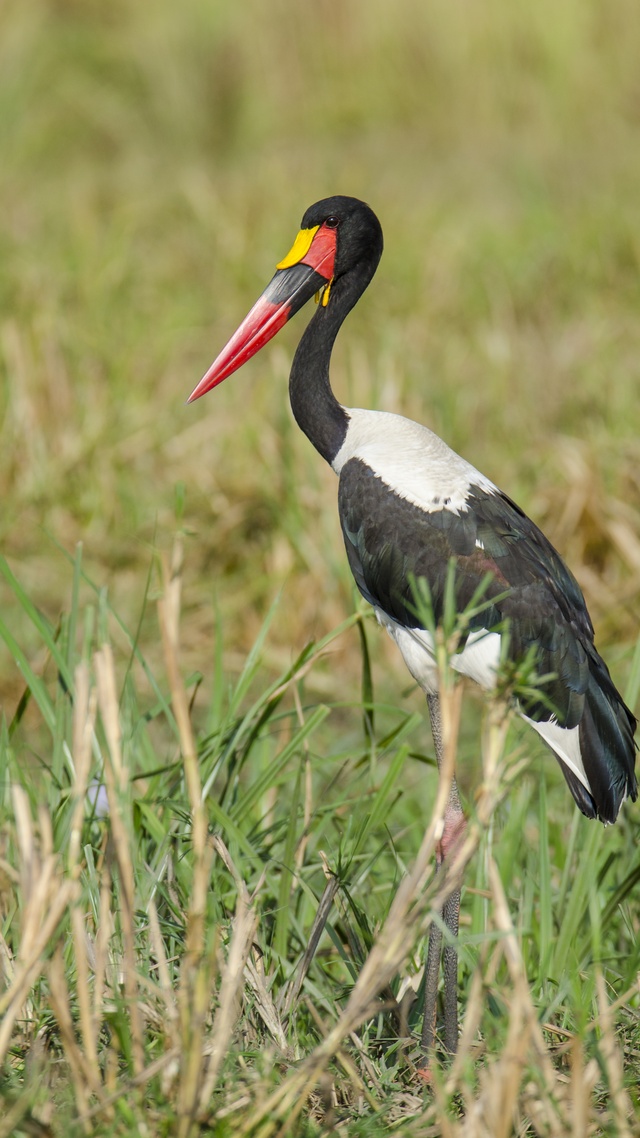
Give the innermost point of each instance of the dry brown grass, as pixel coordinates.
(532, 1084)
(155, 164)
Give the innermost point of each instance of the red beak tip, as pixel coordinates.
(199, 390)
(268, 315)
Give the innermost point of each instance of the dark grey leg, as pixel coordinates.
(453, 828)
(450, 916)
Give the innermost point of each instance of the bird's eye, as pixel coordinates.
(332, 222)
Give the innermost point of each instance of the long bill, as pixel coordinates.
(307, 269)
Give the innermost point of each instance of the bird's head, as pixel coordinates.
(338, 236)
(357, 229)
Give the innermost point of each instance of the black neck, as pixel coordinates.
(315, 407)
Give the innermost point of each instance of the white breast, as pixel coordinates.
(410, 460)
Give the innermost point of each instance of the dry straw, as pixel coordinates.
(196, 1006)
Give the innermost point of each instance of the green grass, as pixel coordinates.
(156, 161)
(198, 912)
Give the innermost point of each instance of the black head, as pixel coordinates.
(334, 256)
(359, 231)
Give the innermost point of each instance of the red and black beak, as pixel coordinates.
(307, 269)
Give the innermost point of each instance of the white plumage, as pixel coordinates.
(413, 462)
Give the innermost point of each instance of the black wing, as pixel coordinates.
(390, 541)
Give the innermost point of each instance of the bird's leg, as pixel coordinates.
(454, 825)
(450, 916)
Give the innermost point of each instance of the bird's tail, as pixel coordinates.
(597, 756)
(607, 745)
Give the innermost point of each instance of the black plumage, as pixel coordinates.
(527, 591)
(410, 508)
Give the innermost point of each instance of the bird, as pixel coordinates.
(412, 510)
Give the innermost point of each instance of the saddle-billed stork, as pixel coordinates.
(409, 508)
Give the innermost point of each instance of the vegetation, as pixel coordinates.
(215, 781)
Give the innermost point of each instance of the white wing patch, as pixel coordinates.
(410, 460)
(565, 742)
(479, 660)
(419, 467)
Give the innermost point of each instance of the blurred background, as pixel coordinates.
(155, 161)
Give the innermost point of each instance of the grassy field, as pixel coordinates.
(178, 623)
